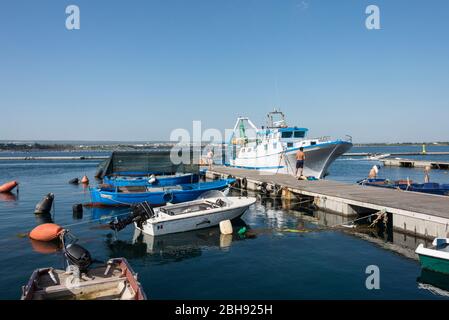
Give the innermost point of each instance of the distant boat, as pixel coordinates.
(152, 180)
(430, 187)
(156, 196)
(377, 156)
(194, 215)
(435, 258)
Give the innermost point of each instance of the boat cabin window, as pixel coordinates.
(287, 134)
(289, 144)
(313, 143)
(299, 134)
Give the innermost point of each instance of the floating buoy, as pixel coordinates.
(77, 211)
(226, 227)
(8, 186)
(44, 206)
(85, 179)
(46, 232)
(74, 181)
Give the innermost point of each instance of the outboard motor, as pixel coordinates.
(139, 214)
(44, 206)
(76, 255)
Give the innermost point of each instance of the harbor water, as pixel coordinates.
(290, 254)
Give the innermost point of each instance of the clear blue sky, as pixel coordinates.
(138, 69)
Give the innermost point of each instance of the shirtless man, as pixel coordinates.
(300, 157)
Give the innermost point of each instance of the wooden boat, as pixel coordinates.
(156, 196)
(435, 258)
(8, 186)
(152, 180)
(430, 187)
(194, 215)
(114, 280)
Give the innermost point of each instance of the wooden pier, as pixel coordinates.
(411, 163)
(413, 213)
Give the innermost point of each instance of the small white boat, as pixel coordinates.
(378, 156)
(202, 213)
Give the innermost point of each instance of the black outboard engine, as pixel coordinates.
(76, 255)
(44, 206)
(139, 214)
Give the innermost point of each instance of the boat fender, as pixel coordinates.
(77, 211)
(44, 206)
(85, 179)
(226, 227)
(152, 179)
(46, 232)
(244, 183)
(237, 183)
(74, 181)
(8, 186)
(263, 188)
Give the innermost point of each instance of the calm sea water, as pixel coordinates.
(321, 263)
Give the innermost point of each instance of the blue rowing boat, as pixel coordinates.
(156, 196)
(430, 187)
(152, 180)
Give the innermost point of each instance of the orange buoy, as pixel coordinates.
(85, 179)
(46, 232)
(8, 186)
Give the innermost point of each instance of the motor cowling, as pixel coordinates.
(78, 256)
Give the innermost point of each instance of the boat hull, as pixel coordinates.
(156, 198)
(161, 181)
(156, 228)
(429, 188)
(433, 260)
(318, 159)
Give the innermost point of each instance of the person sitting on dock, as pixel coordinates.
(300, 158)
(373, 172)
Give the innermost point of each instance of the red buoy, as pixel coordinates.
(46, 232)
(8, 186)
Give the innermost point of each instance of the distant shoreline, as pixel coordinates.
(109, 146)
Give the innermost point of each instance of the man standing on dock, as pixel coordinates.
(300, 158)
(210, 158)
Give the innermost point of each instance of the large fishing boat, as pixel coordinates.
(273, 148)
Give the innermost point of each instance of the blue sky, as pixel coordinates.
(138, 69)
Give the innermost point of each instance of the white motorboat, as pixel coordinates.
(379, 156)
(204, 212)
(273, 149)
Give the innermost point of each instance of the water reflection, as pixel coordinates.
(8, 196)
(174, 247)
(46, 247)
(105, 215)
(435, 282)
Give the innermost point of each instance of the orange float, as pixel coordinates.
(8, 186)
(85, 180)
(46, 232)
